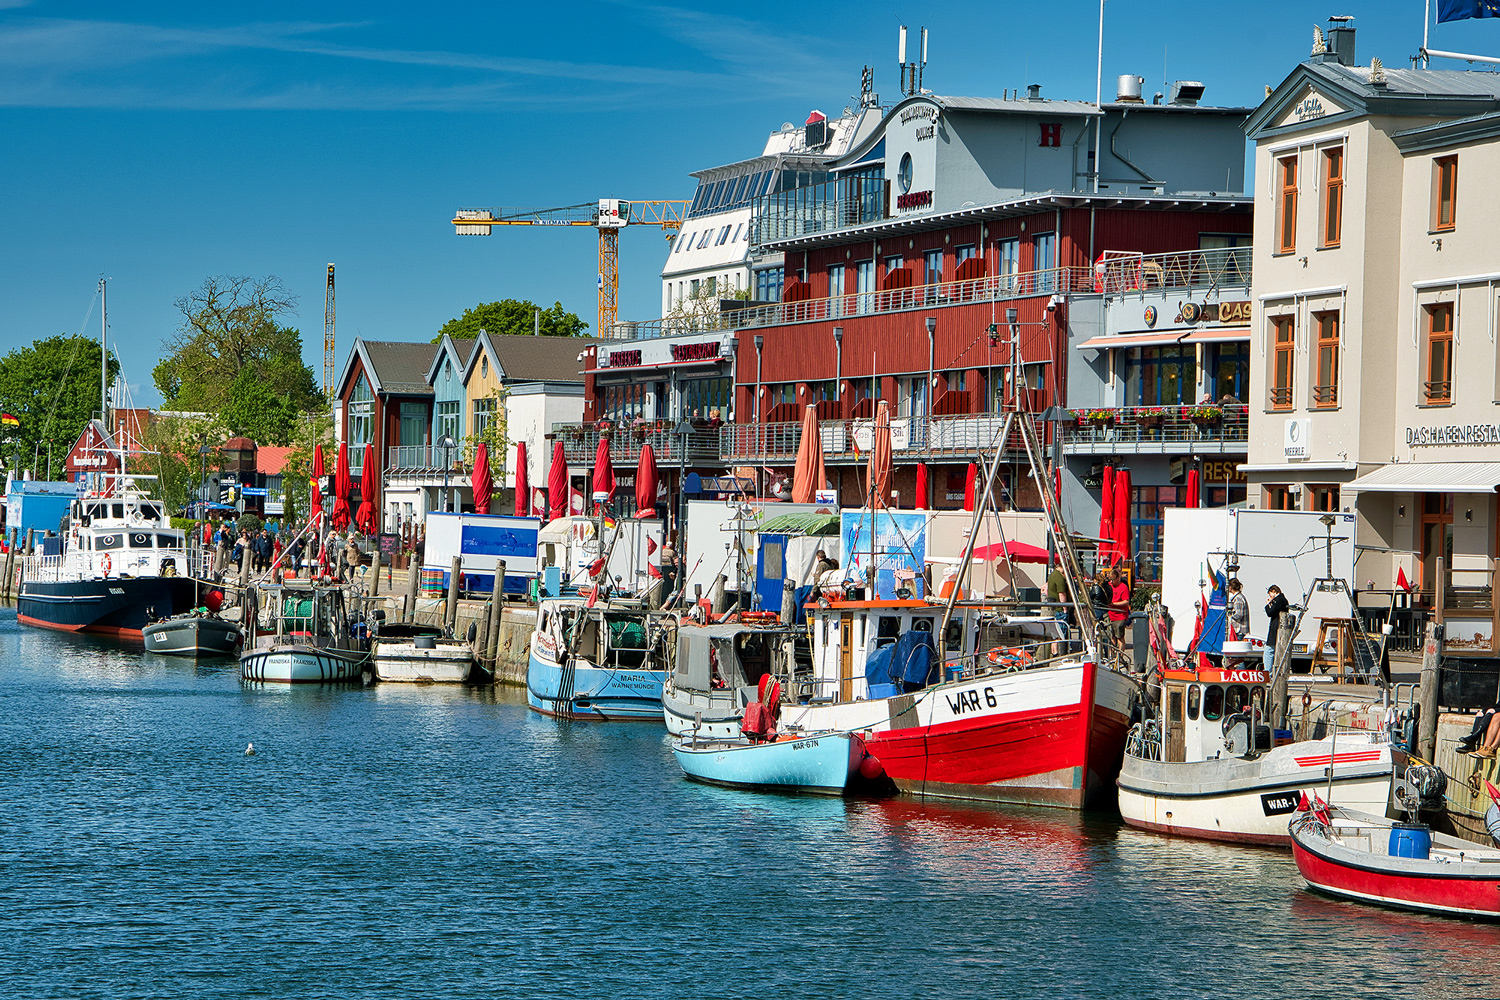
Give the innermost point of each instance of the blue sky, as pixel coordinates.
(161, 143)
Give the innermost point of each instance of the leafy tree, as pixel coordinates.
(230, 328)
(52, 388)
(256, 411)
(496, 437)
(513, 316)
(296, 475)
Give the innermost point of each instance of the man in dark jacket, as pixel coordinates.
(1276, 603)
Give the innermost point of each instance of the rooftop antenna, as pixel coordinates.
(911, 72)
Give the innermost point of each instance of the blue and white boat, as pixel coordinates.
(821, 763)
(314, 640)
(604, 663)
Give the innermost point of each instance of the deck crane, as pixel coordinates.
(609, 216)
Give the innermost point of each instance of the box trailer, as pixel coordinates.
(1312, 561)
(480, 541)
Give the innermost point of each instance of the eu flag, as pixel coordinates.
(1459, 10)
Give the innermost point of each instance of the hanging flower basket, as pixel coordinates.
(1203, 415)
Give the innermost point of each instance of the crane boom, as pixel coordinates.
(609, 216)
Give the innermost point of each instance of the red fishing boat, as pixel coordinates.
(1405, 866)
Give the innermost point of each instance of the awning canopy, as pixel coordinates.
(1430, 477)
(1132, 340)
(1214, 334)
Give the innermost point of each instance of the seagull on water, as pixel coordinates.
(250, 750)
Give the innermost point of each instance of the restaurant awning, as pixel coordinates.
(1217, 334)
(1430, 477)
(1132, 340)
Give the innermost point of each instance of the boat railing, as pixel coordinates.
(43, 567)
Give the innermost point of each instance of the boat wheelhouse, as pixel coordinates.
(605, 662)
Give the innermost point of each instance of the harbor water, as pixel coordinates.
(408, 841)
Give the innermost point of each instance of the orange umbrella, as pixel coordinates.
(523, 488)
(483, 482)
(809, 475)
(879, 468)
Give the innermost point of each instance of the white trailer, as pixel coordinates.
(1288, 548)
(480, 541)
(632, 545)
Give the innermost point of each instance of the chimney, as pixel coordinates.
(1034, 92)
(1341, 41)
(1128, 89)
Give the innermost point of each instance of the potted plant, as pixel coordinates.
(1151, 416)
(1203, 415)
(1100, 418)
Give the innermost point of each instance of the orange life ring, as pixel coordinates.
(1013, 659)
(107, 564)
(759, 616)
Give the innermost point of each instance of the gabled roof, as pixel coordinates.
(531, 359)
(1434, 93)
(271, 459)
(394, 367)
(460, 351)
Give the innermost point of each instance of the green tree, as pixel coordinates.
(170, 444)
(231, 327)
(296, 475)
(513, 316)
(52, 388)
(258, 412)
(496, 437)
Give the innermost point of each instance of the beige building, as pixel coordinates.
(1375, 373)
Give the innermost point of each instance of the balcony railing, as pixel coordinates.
(422, 458)
(850, 440)
(1191, 269)
(581, 443)
(1159, 428)
(1438, 392)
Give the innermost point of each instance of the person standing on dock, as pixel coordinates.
(1276, 603)
(1119, 611)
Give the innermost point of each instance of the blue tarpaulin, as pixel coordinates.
(1215, 618)
(908, 662)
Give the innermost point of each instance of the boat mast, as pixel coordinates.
(103, 355)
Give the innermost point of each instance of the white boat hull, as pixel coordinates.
(290, 664)
(1251, 801)
(407, 663)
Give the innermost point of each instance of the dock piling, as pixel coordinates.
(497, 614)
(455, 584)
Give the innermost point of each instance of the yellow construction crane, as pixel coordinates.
(609, 216)
(328, 338)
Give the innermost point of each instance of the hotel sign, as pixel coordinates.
(662, 352)
(1295, 441)
(1452, 434)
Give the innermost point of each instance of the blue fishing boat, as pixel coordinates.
(604, 663)
(821, 763)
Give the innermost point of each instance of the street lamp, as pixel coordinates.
(446, 443)
(931, 350)
(1015, 356)
(683, 430)
(838, 370)
(760, 341)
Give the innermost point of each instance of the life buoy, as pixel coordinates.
(1011, 659)
(1306, 700)
(759, 616)
(107, 564)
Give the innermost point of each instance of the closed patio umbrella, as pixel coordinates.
(809, 475)
(343, 485)
(1122, 516)
(879, 467)
(971, 487)
(646, 478)
(557, 483)
(604, 472)
(315, 488)
(1193, 489)
(921, 490)
(483, 481)
(1107, 517)
(523, 488)
(365, 519)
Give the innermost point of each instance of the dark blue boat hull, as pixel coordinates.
(116, 606)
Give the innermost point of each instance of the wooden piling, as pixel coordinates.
(455, 583)
(497, 615)
(375, 573)
(1286, 629)
(1427, 692)
(409, 603)
(481, 634)
(720, 597)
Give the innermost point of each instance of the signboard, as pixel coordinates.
(897, 550)
(255, 491)
(651, 353)
(864, 434)
(389, 545)
(826, 496)
(1453, 434)
(480, 541)
(1295, 442)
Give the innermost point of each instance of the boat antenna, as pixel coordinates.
(104, 354)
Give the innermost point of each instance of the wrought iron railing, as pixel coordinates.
(1325, 395)
(1438, 391)
(1281, 397)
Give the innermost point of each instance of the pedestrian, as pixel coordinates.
(1239, 610)
(1276, 603)
(668, 569)
(352, 556)
(1482, 723)
(821, 564)
(1119, 609)
(1058, 592)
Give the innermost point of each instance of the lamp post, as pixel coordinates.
(202, 501)
(1056, 416)
(760, 342)
(683, 430)
(931, 357)
(1015, 356)
(447, 443)
(838, 369)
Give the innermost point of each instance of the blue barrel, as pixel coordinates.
(1410, 840)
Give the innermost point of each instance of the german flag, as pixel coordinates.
(7, 420)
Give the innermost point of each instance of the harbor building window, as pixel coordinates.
(1283, 360)
(361, 419)
(913, 396)
(1229, 367)
(836, 288)
(1286, 205)
(1444, 193)
(702, 395)
(1324, 498)
(864, 284)
(1043, 260)
(1325, 392)
(1160, 376)
(1333, 196)
(767, 284)
(1280, 498)
(449, 419)
(933, 267)
(413, 426)
(1008, 263)
(1437, 388)
(484, 412)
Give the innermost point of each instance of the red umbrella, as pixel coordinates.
(971, 487)
(343, 485)
(604, 473)
(1107, 517)
(483, 481)
(879, 468)
(315, 488)
(809, 475)
(1192, 489)
(1021, 552)
(367, 486)
(557, 483)
(523, 488)
(646, 478)
(1122, 515)
(921, 503)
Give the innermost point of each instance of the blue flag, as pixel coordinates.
(1460, 10)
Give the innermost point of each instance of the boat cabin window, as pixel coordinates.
(151, 511)
(111, 541)
(888, 627)
(140, 540)
(1238, 699)
(754, 655)
(1258, 700)
(1213, 703)
(1195, 698)
(921, 624)
(1174, 706)
(118, 509)
(168, 542)
(953, 639)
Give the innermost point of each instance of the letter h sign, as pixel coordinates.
(1051, 134)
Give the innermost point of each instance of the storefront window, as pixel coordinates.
(361, 418)
(1229, 366)
(1146, 520)
(1164, 376)
(700, 395)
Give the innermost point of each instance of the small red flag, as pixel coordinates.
(1401, 580)
(650, 545)
(596, 567)
(653, 572)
